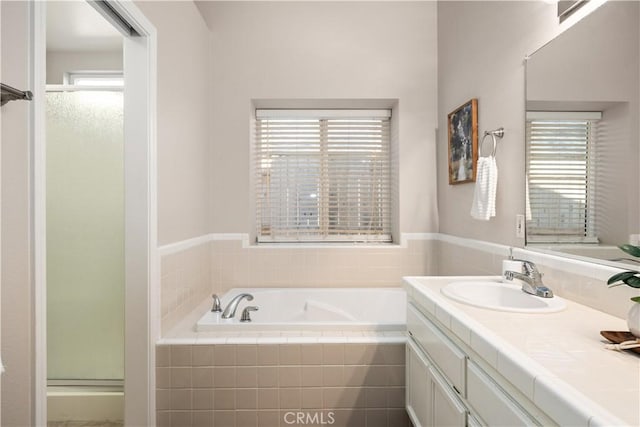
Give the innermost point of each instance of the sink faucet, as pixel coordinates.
(231, 308)
(530, 278)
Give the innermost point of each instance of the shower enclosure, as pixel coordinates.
(85, 252)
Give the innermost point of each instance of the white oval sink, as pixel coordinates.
(500, 296)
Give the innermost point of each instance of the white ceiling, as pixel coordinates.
(75, 26)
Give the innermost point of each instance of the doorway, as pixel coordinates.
(84, 217)
(94, 215)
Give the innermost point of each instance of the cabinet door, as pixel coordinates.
(448, 410)
(418, 390)
(492, 402)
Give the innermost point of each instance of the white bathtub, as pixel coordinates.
(286, 309)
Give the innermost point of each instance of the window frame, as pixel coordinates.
(587, 223)
(324, 232)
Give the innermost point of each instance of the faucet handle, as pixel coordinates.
(216, 308)
(246, 313)
(527, 266)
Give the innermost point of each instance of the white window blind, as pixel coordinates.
(323, 175)
(561, 160)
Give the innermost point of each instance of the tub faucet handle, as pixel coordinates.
(216, 308)
(246, 313)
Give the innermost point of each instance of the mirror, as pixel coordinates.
(583, 133)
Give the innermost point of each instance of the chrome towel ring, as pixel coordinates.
(496, 133)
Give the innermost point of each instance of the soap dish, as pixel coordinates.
(620, 336)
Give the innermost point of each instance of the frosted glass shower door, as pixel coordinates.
(85, 235)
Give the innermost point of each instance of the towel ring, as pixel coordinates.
(499, 133)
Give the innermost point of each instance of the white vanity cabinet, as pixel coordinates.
(431, 401)
(445, 386)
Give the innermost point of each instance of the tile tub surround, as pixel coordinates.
(557, 360)
(185, 281)
(194, 269)
(246, 385)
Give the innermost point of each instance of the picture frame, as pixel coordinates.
(463, 143)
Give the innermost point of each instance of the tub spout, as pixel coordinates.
(231, 308)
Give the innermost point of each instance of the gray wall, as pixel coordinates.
(183, 116)
(60, 62)
(481, 51)
(321, 50)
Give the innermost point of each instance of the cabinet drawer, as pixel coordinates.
(449, 358)
(491, 402)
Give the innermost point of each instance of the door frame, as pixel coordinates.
(142, 316)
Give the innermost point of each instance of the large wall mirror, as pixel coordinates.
(583, 137)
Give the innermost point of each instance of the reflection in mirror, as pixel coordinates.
(583, 130)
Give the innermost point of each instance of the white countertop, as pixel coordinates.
(557, 360)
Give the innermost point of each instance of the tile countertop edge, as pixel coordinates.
(486, 341)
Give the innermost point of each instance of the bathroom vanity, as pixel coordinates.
(467, 365)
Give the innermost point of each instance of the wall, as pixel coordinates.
(321, 50)
(481, 51)
(17, 291)
(183, 117)
(60, 62)
(338, 53)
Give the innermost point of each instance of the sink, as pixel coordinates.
(495, 295)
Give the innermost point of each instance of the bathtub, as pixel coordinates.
(289, 309)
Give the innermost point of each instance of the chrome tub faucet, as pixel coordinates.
(231, 308)
(530, 279)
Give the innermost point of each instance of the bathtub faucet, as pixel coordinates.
(231, 308)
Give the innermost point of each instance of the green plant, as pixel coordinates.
(629, 278)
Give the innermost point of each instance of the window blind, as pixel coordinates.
(323, 175)
(561, 160)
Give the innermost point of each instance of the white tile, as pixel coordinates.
(242, 340)
(513, 366)
(461, 330)
(271, 340)
(484, 348)
(563, 403)
(211, 340)
(443, 316)
(303, 340)
(177, 341)
(332, 340)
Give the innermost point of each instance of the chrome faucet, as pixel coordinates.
(231, 308)
(530, 279)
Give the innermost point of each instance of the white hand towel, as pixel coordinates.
(484, 196)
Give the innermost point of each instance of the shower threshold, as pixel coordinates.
(76, 403)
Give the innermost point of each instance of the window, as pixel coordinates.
(561, 176)
(323, 175)
(95, 78)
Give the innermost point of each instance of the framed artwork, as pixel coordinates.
(463, 142)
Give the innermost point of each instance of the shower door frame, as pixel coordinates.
(142, 315)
